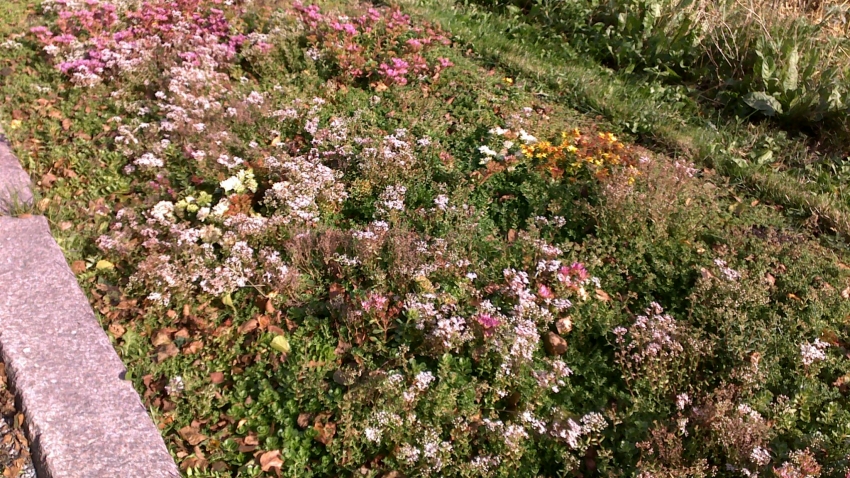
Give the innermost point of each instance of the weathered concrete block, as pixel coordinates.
(84, 420)
(14, 181)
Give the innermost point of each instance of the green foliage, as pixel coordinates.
(336, 366)
(770, 65)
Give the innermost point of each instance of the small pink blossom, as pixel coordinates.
(488, 322)
(374, 302)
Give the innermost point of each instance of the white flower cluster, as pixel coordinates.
(654, 336)
(553, 379)
(303, 185)
(241, 182)
(451, 331)
(571, 431)
(148, 161)
(760, 456)
(442, 202)
(813, 352)
(392, 199)
(392, 158)
(728, 273)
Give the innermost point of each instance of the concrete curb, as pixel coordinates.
(14, 181)
(83, 419)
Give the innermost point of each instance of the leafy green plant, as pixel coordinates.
(750, 60)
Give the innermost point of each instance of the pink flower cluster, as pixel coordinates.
(381, 45)
(375, 302)
(488, 322)
(573, 274)
(92, 44)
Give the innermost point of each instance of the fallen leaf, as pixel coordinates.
(346, 376)
(270, 459)
(602, 295)
(165, 352)
(554, 343)
(335, 290)
(117, 330)
(66, 124)
(193, 347)
(193, 462)
(243, 448)
(342, 348)
(78, 267)
(326, 431)
(47, 180)
(191, 435)
(104, 265)
(249, 326)
(280, 344)
(217, 377)
(161, 337)
(564, 325)
(304, 420)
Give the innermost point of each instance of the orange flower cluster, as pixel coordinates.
(577, 152)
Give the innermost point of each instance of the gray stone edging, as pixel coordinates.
(14, 181)
(82, 418)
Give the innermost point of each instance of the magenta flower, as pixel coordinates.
(375, 302)
(578, 271)
(488, 322)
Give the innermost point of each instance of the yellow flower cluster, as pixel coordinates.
(578, 150)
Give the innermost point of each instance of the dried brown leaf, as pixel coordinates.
(117, 330)
(161, 337)
(217, 377)
(164, 352)
(191, 435)
(78, 267)
(193, 347)
(271, 459)
(248, 326)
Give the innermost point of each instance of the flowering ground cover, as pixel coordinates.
(328, 240)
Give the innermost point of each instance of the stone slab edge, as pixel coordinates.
(14, 181)
(82, 418)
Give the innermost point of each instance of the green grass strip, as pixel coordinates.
(672, 128)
